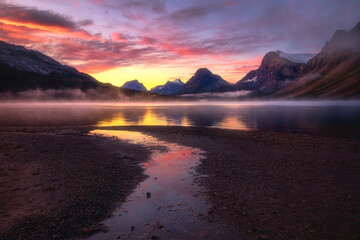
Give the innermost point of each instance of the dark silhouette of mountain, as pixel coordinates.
(277, 69)
(332, 73)
(168, 88)
(203, 81)
(134, 85)
(28, 74)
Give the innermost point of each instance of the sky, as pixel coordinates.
(156, 41)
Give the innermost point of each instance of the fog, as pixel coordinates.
(63, 95)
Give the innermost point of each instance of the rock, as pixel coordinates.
(148, 195)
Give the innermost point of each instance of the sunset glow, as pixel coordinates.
(156, 41)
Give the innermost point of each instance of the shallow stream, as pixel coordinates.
(168, 204)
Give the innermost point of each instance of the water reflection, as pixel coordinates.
(320, 118)
(145, 117)
(167, 204)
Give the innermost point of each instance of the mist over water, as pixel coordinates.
(330, 118)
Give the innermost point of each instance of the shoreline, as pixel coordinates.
(265, 185)
(276, 185)
(59, 183)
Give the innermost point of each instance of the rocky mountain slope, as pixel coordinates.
(277, 69)
(332, 73)
(169, 88)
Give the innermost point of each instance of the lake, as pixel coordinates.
(329, 118)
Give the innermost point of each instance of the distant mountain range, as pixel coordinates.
(169, 88)
(334, 73)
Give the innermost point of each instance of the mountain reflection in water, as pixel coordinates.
(330, 118)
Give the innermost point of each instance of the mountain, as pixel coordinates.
(24, 69)
(168, 88)
(276, 70)
(332, 73)
(134, 85)
(28, 74)
(204, 81)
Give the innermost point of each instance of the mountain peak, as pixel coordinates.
(343, 41)
(203, 81)
(169, 88)
(356, 29)
(134, 85)
(203, 71)
(178, 81)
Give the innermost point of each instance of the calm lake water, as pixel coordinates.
(330, 118)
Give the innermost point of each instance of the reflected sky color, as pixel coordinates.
(174, 200)
(149, 118)
(334, 118)
(156, 40)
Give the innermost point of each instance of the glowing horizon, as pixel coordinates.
(156, 41)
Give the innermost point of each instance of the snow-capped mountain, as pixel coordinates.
(276, 70)
(134, 85)
(169, 88)
(296, 58)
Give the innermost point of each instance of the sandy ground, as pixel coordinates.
(58, 183)
(276, 185)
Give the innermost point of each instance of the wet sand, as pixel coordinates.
(265, 185)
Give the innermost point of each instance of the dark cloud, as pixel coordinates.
(194, 12)
(33, 15)
(24, 14)
(156, 6)
(84, 23)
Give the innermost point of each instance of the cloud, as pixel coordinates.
(194, 12)
(148, 41)
(96, 56)
(156, 6)
(84, 23)
(118, 37)
(32, 15)
(45, 20)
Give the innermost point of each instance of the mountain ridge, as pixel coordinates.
(169, 88)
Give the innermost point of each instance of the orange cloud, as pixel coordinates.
(53, 29)
(50, 29)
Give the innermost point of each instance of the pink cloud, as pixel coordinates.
(118, 37)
